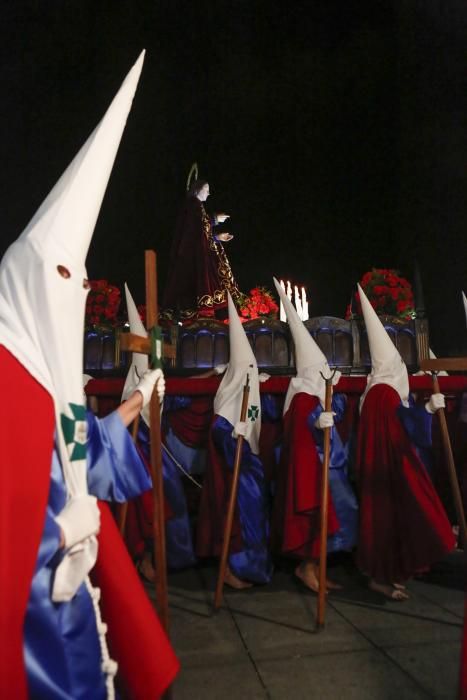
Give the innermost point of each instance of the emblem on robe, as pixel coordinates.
(253, 413)
(74, 431)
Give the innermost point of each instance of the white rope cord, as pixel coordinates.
(108, 666)
(196, 483)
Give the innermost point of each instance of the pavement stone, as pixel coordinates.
(357, 675)
(434, 666)
(262, 644)
(232, 682)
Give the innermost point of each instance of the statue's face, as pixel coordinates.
(203, 194)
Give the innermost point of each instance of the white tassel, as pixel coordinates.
(108, 666)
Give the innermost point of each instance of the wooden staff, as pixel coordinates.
(152, 317)
(324, 508)
(452, 474)
(232, 501)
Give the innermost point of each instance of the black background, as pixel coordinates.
(333, 132)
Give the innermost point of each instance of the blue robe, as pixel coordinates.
(179, 542)
(417, 423)
(250, 558)
(343, 497)
(61, 645)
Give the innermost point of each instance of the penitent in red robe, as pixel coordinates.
(403, 526)
(298, 499)
(137, 641)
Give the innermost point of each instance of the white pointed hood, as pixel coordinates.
(310, 360)
(229, 396)
(69, 213)
(42, 312)
(387, 366)
(464, 299)
(139, 361)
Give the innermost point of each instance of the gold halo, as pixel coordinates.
(193, 172)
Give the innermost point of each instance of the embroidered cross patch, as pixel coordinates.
(253, 413)
(74, 431)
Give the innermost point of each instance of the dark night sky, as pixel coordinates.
(333, 132)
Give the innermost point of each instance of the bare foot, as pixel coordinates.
(388, 590)
(307, 572)
(234, 582)
(146, 569)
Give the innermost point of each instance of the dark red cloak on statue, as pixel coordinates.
(199, 271)
(403, 526)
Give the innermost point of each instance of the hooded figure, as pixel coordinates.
(403, 526)
(249, 560)
(298, 499)
(139, 530)
(58, 457)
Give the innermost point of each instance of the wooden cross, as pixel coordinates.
(449, 364)
(135, 343)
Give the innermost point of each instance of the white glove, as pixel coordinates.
(146, 385)
(435, 403)
(325, 420)
(239, 429)
(73, 569)
(79, 519)
(220, 369)
(263, 377)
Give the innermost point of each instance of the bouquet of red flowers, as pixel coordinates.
(388, 294)
(102, 304)
(259, 303)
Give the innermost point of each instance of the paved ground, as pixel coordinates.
(263, 642)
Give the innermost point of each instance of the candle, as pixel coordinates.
(282, 315)
(305, 315)
(298, 303)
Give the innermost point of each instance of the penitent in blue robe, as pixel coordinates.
(417, 423)
(343, 497)
(249, 557)
(61, 645)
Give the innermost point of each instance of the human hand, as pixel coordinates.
(263, 377)
(220, 218)
(224, 237)
(146, 385)
(220, 369)
(325, 420)
(239, 429)
(79, 520)
(435, 403)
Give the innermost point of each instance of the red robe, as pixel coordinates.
(298, 500)
(24, 490)
(403, 526)
(217, 485)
